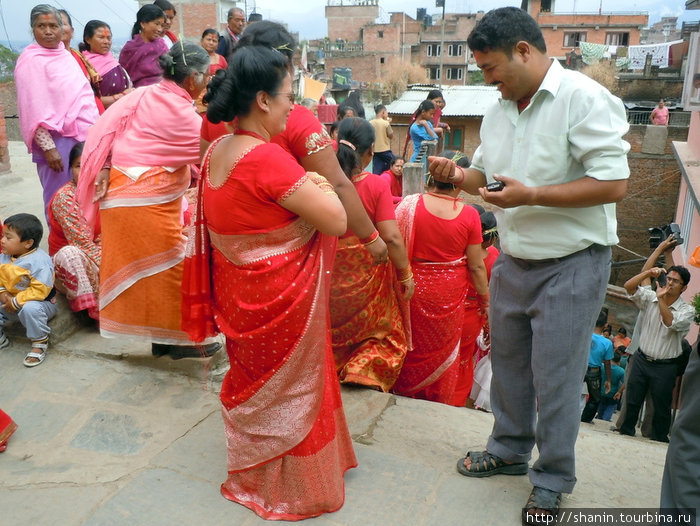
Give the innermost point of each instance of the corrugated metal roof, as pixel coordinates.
(470, 101)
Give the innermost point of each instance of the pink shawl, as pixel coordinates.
(155, 125)
(52, 92)
(103, 64)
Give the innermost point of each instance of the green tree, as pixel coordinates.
(8, 58)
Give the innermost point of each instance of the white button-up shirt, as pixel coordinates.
(655, 339)
(572, 128)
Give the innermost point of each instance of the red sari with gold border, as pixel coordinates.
(288, 442)
(370, 340)
(431, 370)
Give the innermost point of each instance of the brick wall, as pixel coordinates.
(651, 199)
(345, 22)
(4, 153)
(196, 18)
(648, 88)
(8, 100)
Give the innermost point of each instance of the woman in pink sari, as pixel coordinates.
(444, 245)
(136, 163)
(258, 269)
(113, 82)
(55, 102)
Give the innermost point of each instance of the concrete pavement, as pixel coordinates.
(109, 435)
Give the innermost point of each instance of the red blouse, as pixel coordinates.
(437, 239)
(375, 196)
(304, 134)
(258, 183)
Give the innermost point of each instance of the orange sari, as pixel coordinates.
(142, 252)
(369, 339)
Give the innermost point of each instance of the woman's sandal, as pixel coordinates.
(484, 464)
(547, 501)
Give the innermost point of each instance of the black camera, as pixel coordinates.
(659, 234)
(661, 280)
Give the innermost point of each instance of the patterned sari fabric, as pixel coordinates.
(78, 279)
(76, 255)
(288, 442)
(7, 427)
(143, 249)
(369, 338)
(431, 369)
(369, 319)
(474, 321)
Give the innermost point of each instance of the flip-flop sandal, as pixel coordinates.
(38, 356)
(484, 464)
(541, 499)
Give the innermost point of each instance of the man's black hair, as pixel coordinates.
(27, 227)
(602, 319)
(682, 272)
(501, 29)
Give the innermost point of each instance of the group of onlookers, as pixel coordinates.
(248, 224)
(295, 253)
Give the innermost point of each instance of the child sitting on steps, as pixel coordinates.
(26, 284)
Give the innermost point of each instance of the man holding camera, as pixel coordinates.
(665, 319)
(555, 144)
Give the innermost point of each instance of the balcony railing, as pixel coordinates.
(675, 118)
(340, 48)
(340, 3)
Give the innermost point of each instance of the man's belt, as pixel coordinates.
(660, 361)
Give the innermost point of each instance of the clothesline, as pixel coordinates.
(662, 55)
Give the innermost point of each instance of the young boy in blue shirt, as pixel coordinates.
(26, 284)
(609, 400)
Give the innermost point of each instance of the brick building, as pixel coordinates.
(194, 16)
(464, 110)
(563, 31)
(455, 55)
(355, 41)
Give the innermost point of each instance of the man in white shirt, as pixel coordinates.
(555, 142)
(665, 320)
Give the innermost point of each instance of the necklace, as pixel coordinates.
(443, 196)
(249, 133)
(455, 200)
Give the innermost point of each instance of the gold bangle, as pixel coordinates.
(407, 279)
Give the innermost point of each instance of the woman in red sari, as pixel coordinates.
(306, 139)
(444, 245)
(370, 336)
(267, 225)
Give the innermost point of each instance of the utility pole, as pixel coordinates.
(441, 3)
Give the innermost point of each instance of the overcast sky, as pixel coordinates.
(307, 16)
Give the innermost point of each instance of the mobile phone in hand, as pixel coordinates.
(496, 186)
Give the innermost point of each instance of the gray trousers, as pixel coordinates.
(542, 317)
(34, 315)
(680, 486)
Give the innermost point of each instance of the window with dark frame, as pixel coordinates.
(571, 39)
(617, 38)
(433, 50)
